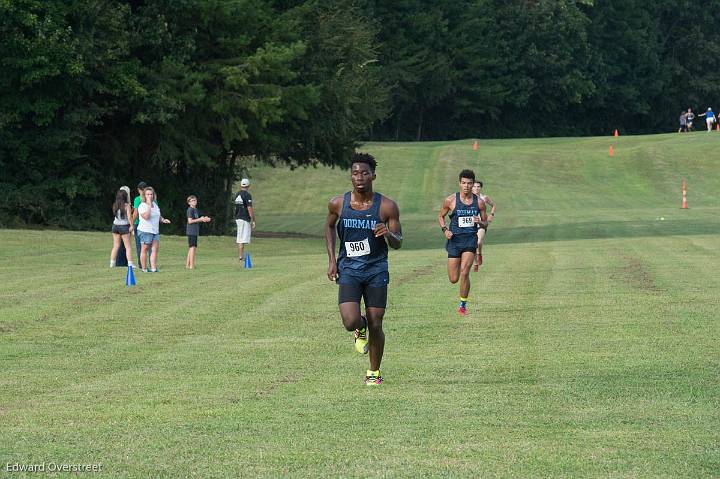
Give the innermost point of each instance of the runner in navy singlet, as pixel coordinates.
(466, 212)
(366, 223)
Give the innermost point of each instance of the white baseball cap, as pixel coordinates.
(245, 182)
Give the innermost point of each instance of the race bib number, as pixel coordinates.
(357, 248)
(466, 221)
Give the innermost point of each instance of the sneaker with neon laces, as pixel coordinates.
(361, 342)
(373, 378)
(462, 310)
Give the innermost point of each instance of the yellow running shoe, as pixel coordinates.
(361, 342)
(373, 378)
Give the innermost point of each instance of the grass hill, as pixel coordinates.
(560, 188)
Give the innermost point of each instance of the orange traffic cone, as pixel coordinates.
(616, 134)
(684, 195)
(611, 151)
(475, 145)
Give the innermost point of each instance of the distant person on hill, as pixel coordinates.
(123, 254)
(683, 122)
(690, 116)
(477, 190)
(709, 118)
(466, 212)
(121, 227)
(149, 229)
(193, 229)
(244, 217)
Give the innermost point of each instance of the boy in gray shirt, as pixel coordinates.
(193, 229)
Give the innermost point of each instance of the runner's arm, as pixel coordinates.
(330, 222)
(492, 204)
(444, 210)
(391, 228)
(483, 214)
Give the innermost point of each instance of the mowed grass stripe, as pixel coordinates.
(261, 398)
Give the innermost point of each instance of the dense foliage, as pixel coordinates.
(468, 68)
(184, 93)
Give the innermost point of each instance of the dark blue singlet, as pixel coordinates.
(464, 213)
(355, 231)
(464, 238)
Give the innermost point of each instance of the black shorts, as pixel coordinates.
(373, 297)
(192, 241)
(371, 288)
(459, 244)
(121, 229)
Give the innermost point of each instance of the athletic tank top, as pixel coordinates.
(360, 250)
(461, 218)
(121, 218)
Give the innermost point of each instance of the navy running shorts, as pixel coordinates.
(372, 288)
(459, 244)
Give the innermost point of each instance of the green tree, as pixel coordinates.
(417, 61)
(59, 79)
(518, 64)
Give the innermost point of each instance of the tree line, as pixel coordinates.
(183, 94)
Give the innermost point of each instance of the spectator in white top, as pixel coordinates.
(149, 229)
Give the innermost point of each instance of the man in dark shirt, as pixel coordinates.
(244, 217)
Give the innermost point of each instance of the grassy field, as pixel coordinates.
(591, 348)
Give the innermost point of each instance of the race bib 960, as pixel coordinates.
(357, 248)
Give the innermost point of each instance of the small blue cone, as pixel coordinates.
(248, 263)
(130, 277)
